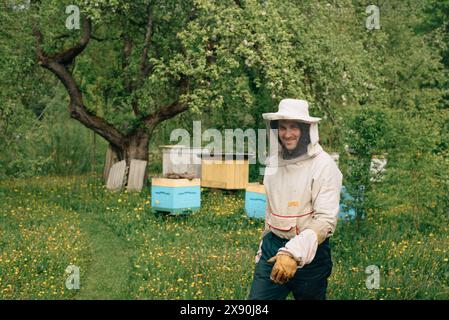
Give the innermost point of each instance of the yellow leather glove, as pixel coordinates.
(284, 268)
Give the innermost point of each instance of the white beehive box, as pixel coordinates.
(181, 159)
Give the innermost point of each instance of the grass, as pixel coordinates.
(107, 276)
(38, 241)
(125, 251)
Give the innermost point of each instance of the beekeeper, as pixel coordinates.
(302, 183)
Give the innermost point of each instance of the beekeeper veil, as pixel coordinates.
(307, 147)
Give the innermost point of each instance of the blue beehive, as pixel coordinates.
(175, 195)
(255, 201)
(346, 212)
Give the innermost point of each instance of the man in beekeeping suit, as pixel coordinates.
(302, 183)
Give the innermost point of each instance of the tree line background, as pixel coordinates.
(136, 70)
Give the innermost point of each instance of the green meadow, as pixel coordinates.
(126, 251)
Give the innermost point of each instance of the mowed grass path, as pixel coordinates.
(41, 236)
(125, 251)
(109, 270)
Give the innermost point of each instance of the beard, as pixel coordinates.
(299, 150)
(301, 147)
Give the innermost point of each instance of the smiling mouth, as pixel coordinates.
(289, 144)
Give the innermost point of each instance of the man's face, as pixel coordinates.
(289, 133)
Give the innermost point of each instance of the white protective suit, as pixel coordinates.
(303, 193)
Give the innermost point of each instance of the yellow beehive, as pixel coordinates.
(224, 174)
(255, 187)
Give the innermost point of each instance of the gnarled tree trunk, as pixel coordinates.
(133, 145)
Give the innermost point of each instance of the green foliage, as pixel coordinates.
(418, 174)
(379, 91)
(52, 144)
(365, 137)
(435, 20)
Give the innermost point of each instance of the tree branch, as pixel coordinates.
(145, 68)
(77, 108)
(39, 40)
(168, 111)
(128, 83)
(92, 37)
(57, 64)
(67, 56)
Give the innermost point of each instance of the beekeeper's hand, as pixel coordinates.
(284, 268)
(259, 252)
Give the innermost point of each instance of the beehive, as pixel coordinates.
(255, 200)
(223, 173)
(346, 212)
(175, 195)
(181, 159)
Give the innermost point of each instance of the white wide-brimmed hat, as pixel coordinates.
(292, 109)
